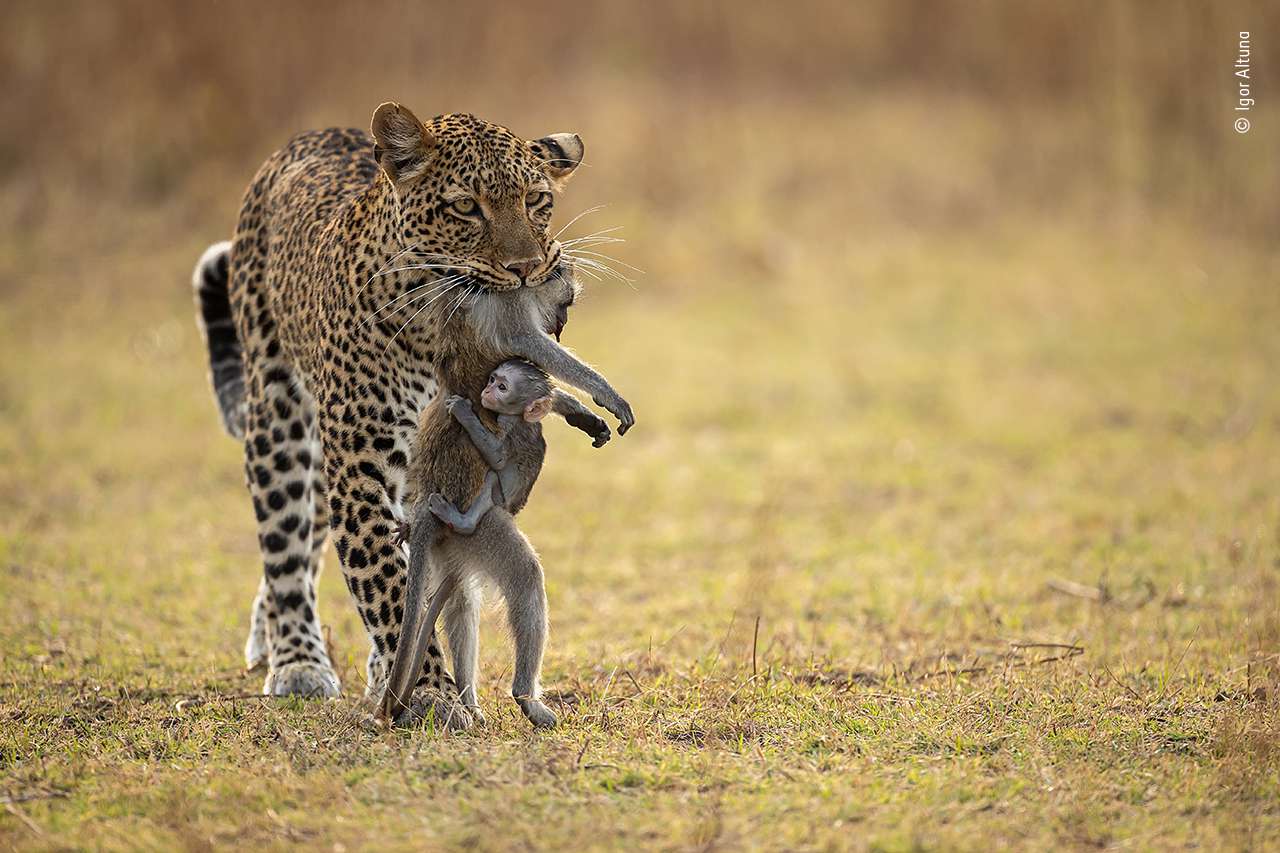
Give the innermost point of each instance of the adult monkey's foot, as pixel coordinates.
(540, 715)
(310, 679)
(430, 707)
(403, 531)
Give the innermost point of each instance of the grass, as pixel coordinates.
(785, 608)
(949, 522)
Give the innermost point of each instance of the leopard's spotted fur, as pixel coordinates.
(322, 360)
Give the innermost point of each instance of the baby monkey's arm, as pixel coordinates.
(491, 447)
(577, 415)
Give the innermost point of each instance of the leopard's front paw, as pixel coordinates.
(431, 708)
(309, 679)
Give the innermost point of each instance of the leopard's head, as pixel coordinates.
(475, 199)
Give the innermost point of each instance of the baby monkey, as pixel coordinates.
(519, 393)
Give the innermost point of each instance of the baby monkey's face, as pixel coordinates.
(506, 393)
(511, 392)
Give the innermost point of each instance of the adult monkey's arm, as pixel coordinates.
(544, 351)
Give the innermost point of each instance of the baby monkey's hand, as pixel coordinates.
(593, 425)
(453, 401)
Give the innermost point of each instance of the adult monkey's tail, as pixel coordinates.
(226, 355)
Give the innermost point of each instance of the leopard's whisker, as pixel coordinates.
(592, 241)
(416, 263)
(589, 258)
(456, 305)
(606, 230)
(431, 283)
(447, 261)
(441, 256)
(600, 267)
(418, 267)
(398, 255)
(475, 297)
(416, 313)
(441, 259)
(578, 247)
(416, 292)
(411, 249)
(586, 212)
(389, 262)
(430, 286)
(464, 283)
(604, 257)
(589, 264)
(586, 265)
(585, 271)
(594, 234)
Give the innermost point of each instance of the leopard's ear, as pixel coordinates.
(561, 154)
(401, 144)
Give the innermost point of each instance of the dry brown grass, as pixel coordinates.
(945, 305)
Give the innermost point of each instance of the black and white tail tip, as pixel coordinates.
(226, 355)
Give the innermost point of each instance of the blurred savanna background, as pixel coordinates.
(950, 520)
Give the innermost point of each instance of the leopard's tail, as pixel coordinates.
(226, 355)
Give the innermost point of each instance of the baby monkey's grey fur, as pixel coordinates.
(451, 464)
(521, 395)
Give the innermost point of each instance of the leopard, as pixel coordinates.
(322, 319)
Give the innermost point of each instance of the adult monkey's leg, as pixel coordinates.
(365, 486)
(429, 583)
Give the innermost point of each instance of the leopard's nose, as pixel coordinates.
(523, 269)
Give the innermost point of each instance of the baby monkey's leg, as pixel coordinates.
(510, 560)
(464, 523)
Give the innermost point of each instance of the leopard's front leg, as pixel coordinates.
(282, 476)
(366, 458)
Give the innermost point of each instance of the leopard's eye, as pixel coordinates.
(536, 198)
(465, 207)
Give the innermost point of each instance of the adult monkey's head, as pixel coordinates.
(474, 197)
